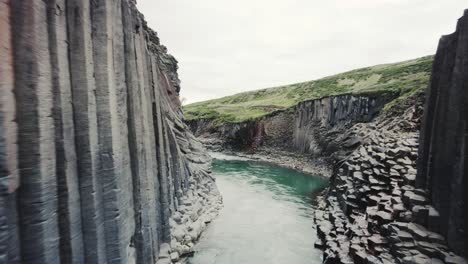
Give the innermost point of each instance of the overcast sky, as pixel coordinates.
(229, 46)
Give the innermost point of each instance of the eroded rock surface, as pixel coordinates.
(443, 154)
(309, 128)
(96, 165)
(373, 213)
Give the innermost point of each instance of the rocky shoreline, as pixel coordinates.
(197, 208)
(401, 195)
(304, 163)
(374, 214)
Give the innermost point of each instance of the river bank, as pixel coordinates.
(304, 163)
(372, 212)
(262, 202)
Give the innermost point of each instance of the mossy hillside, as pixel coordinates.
(404, 78)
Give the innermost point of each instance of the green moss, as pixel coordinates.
(405, 79)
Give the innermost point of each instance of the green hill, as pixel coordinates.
(404, 78)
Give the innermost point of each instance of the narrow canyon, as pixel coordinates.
(396, 161)
(100, 163)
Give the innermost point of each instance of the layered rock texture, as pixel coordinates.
(96, 165)
(319, 122)
(310, 127)
(443, 152)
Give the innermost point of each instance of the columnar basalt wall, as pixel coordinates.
(274, 130)
(310, 127)
(318, 122)
(94, 158)
(442, 164)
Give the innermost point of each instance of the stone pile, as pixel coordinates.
(373, 213)
(195, 211)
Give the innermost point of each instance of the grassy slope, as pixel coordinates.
(405, 78)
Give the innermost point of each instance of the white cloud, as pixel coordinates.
(225, 47)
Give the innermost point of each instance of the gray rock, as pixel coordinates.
(441, 166)
(174, 257)
(95, 136)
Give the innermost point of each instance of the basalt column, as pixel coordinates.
(86, 134)
(37, 194)
(443, 152)
(9, 178)
(95, 160)
(318, 122)
(69, 207)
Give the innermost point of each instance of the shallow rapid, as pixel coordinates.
(267, 216)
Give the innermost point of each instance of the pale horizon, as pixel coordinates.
(225, 48)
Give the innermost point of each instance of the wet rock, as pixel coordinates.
(174, 257)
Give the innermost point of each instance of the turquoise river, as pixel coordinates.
(267, 216)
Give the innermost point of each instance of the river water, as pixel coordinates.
(267, 216)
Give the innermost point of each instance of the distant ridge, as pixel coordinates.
(404, 78)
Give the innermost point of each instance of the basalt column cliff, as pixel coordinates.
(96, 165)
(443, 151)
(401, 196)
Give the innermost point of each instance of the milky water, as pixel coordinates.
(267, 216)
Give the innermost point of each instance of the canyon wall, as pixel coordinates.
(443, 151)
(96, 165)
(319, 122)
(401, 196)
(311, 127)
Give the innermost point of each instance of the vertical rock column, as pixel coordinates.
(9, 241)
(141, 136)
(37, 200)
(114, 171)
(317, 120)
(86, 128)
(163, 169)
(91, 132)
(69, 205)
(442, 161)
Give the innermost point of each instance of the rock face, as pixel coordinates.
(373, 213)
(379, 208)
(96, 165)
(318, 122)
(443, 158)
(310, 127)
